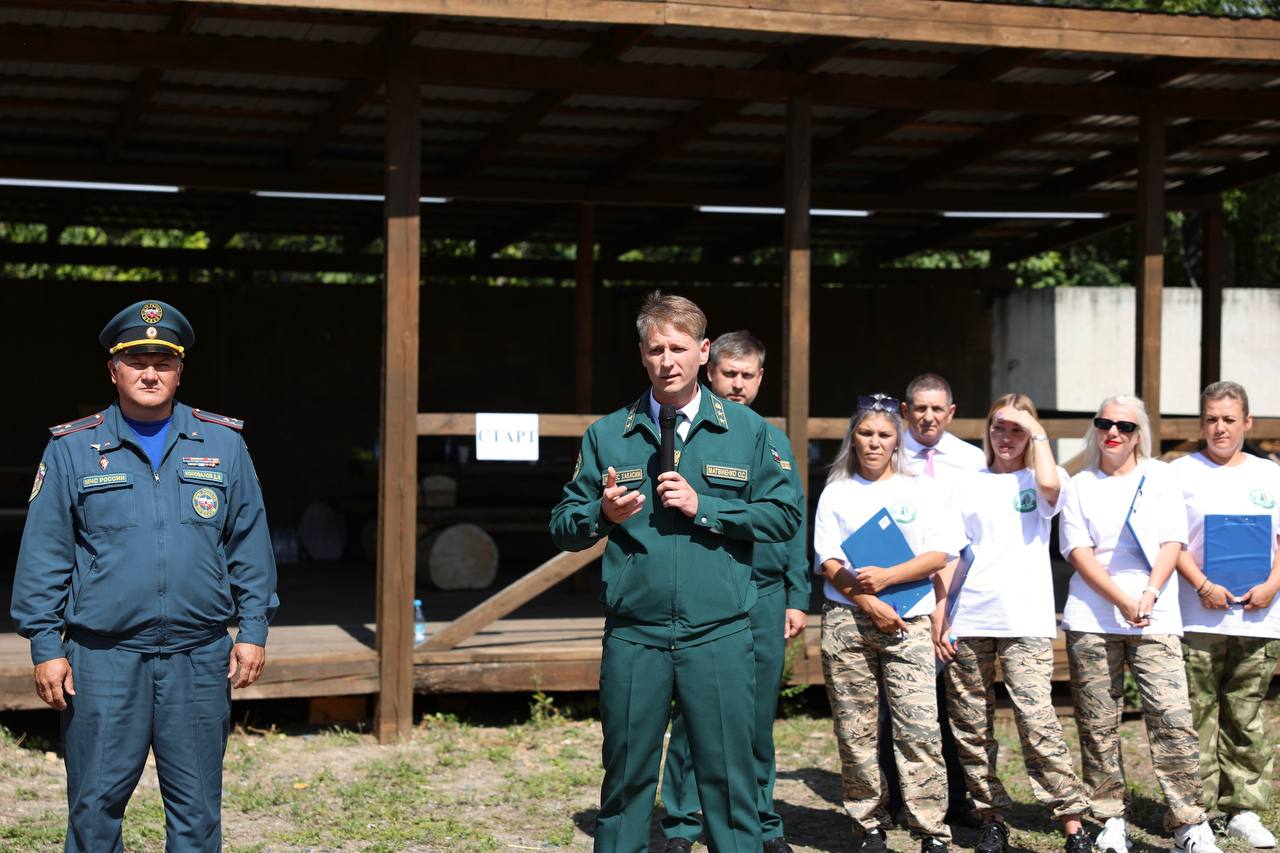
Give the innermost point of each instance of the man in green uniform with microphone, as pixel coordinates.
(677, 584)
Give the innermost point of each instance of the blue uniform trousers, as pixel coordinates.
(715, 683)
(679, 791)
(177, 704)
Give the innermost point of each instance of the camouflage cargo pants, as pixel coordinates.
(1227, 679)
(1027, 663)
(856, 656)
(1097, 686)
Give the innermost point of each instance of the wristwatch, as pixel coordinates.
(1039, 436)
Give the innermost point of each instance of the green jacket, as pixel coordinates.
(785, 566)
(671, 581)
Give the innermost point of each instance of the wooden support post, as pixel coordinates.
(1211, 296)
(398, 463)
(1149, 264)
(584, 352)
(795, 293)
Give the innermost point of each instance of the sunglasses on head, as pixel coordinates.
(1105, 424)
(879, 402)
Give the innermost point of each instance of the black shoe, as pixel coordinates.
(777, 845)
(1079, 842)
(873, 841)
(992, 838)
(677, 845)
(933, 845)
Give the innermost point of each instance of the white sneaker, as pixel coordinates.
(1114, 837)
(1248, 826)
(1194, 838)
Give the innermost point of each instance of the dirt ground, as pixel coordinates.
(463, 785)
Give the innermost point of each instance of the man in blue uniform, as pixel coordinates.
(781, 573)
(145, 537)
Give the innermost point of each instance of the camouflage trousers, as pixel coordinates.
(1097, 686)
(1227, 679)
(1027, 663)
(856, 656)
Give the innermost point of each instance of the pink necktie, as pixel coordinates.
(928, 460)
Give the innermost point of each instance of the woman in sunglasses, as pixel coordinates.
(867, 642)
(1004, 610)
(1231, 646)
(1123, 525)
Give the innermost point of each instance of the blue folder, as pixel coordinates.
(1237, 551)
(1142, 526)
(880, 542)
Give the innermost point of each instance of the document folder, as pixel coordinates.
(880, 542)
(1237, 551)
(1142, 526)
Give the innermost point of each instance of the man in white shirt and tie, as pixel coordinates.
(931, 451)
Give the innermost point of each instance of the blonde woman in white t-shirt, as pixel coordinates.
(1003, 610)
(866, 642)
(1230, 643)
(1122, 608)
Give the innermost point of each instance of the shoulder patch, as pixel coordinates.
(59, 430)
(222, 420)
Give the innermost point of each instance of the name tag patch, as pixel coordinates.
(630, 475)
(199, 476)
(725, 472)
(104, 481)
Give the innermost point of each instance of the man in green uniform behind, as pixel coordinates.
(781, 574)
(677, 585)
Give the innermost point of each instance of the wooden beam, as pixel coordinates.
(1149, 262)
(795, 285)
(1211, 296)
(584, 354)
(398, 463)
(510, 598)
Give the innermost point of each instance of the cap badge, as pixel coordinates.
(151, 313)
(205, 503)
(151, 331)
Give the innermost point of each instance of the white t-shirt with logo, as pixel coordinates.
(1093, 516)
(1008, 590)
(1250, 488)
(917, 504)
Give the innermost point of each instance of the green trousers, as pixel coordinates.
(679, 788)
(1227, 680)
(715, 683)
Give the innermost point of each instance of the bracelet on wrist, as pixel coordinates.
(1204, 587)
(1155, 593)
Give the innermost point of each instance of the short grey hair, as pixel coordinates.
(1093, 454)
(739, 344)
(1222, 390)
(927, 382)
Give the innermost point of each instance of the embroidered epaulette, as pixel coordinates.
(223, 420)
(59, 430)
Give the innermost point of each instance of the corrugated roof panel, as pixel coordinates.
(54, 17)
(290, 30)
(35, 89)
(884, 68)
(501, 44)
(239, 102)
(443, 115)
(674, 105)
(690, 58)
(738, 36)
(1225, 82)
(1053, 76)
(232, 123)
(256, 81)
(604, 121)
(967, 117)
(738, 128)
(477, 95)
(55, 71)
(733, 146)
(920, 47)
(16, 114)
(1116, 121)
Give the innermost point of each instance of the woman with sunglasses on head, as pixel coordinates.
(866, 642)
(1230, 644)
(1122, 527)
(1004, 610)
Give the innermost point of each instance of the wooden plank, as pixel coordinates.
(1149, 262)
(584, 296)
(398, 463)
(1211, 296)
(795, 295)
(526, 588)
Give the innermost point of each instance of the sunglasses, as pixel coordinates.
(879, 402)
(1105, 424)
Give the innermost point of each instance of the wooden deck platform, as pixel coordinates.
(511, 655)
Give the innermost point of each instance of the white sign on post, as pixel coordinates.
(505, 436)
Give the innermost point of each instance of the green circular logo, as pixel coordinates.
(1025, 501)
(903, 512)
(1262, 498)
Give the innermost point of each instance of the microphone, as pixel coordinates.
(667, 423)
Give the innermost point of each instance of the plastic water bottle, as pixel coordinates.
(419, 623)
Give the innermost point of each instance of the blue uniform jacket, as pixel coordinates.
(151, 561)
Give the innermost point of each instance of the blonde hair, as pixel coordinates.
(1011, 401)
(1222, 390)
(845, 465)
(1093, 454)
(661, 309)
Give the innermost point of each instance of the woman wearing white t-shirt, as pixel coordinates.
(1119, 612)
(1230, 643)
(1004, 610)
(865, 642)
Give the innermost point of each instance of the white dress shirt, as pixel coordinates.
(953, 457)
(689, 410)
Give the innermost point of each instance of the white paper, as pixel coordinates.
(506, 436)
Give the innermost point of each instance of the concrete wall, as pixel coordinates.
(1069, 348)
